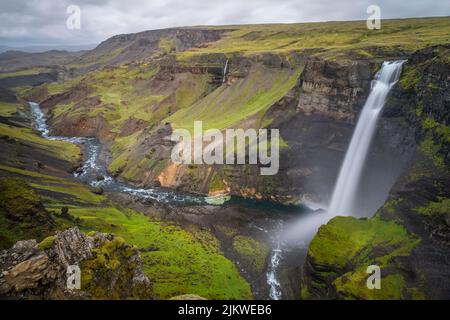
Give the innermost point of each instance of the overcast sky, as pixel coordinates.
(43, 22)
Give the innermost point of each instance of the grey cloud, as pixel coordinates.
(25, 22)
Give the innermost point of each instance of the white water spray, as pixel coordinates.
(345, 190)
(342, 201)
(276, 256)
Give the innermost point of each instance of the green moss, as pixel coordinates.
(191, 91)
(229, 105)
(22, 215)
(353, 285)
(391, 205)
(62, 187)
(8, 109)
(344, 239)
(178, 262)
(59, 149)
(108, 274)
(46, 243)
(410, 78)
(24, 72)
(77, 191)
(167, 45)
(304, 293)
(251, 251)
(430, 149)
(441, 130)
(349, 245)
(120, 150)
(415, 294)
(440, 208)
(187, 297)
(16, 195)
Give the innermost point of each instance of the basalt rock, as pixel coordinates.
(418, 204)
(334, 89)
(110, 269)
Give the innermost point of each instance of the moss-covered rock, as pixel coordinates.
(110, 268)
(111, 272)
(22, 214)
(251, 252)
(46, 243)
(342, 250)
(410, 235)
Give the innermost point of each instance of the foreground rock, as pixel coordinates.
(110, 268)
(409, 237)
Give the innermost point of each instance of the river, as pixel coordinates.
(271, 217)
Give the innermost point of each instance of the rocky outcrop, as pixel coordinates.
(334, 89)
(110, 269)
(316, 117)
(316, 120)
(414, 259)
(147, 44)
(324, 131)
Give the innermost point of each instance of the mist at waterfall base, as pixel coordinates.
(354, 179)
(290, 234)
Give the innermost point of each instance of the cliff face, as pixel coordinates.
(334, 89)
(110, 269)
(409, 236)
(294, 94)
(133, 90)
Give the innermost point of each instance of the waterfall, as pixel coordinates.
(272, 276)
(276, 256)
(225, 68)
(346, 186)
(345, 190)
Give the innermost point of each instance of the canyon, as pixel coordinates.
(133, 91)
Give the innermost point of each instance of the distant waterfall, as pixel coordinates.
(346, 186)
(225, 69)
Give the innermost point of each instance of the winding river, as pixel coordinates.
(96, 175)
(93, 173)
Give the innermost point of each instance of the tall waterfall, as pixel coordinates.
(346, 186)
(302, 231)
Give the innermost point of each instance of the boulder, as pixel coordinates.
(110, 268)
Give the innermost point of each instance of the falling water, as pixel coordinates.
(276, 256)
(343, 198)
(347, 183)
(225, 68)
(272, 276)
